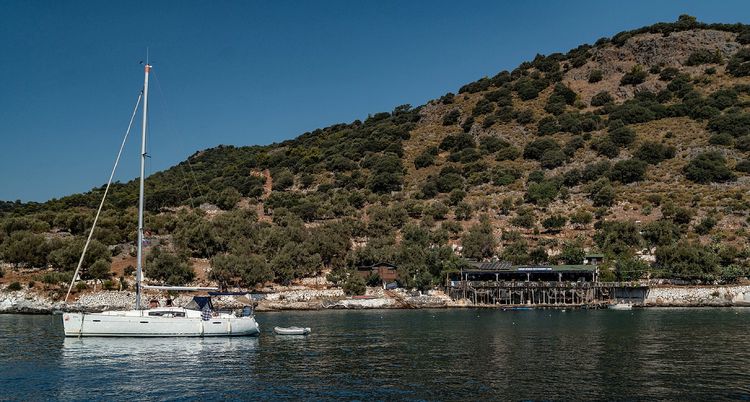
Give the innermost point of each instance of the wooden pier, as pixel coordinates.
(546, 294)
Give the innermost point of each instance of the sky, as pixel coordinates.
(256, 72)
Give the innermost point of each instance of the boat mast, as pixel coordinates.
(139, 269)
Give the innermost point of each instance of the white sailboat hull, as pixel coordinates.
(164, 322)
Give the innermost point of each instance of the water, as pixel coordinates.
(690, 354)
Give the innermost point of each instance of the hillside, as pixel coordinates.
(637, 147)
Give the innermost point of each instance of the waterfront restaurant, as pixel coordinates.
(501, 271)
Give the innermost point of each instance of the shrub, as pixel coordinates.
(708, 167)
(502, 97)
(554, 223)
(595, 76)
(704, 56)
(543, 192)
(721, 139)
(739, 64)
(449, 180)
(457, 142)
(529, 88)
(507, 154)
(654, 152)
(547, 125)
(602, 193)
(605, 147)
(602, 98)
(14, 286)
(452, 117)
(743, 143)
(594, 171)
(581, 218)
(536, 149)
(632, 112)
(524, 218)
(525, 116)
(571, 178)
(477, 86)
(482, 107)
(553, 158)
(743, 166)
(622, 136)
(354, 285)
(705, 225)
(573, 145)
(564, 93)
(504, 176)
(635, 76)
(426, 158)
(463, 211)
(723, 98)
(668, 74)
(437, 210)
(572, 123)
(734, 124)
(491, 144)
(628, 171)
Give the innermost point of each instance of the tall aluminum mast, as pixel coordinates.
(139, 268)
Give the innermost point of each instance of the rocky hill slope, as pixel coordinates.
(636, 147)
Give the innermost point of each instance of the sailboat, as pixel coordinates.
(201, 320)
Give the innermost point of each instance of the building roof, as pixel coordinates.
(378, 264)
(506, 267)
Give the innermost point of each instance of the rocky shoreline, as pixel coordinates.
(28, 302)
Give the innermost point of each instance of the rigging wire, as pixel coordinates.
(162, 99)
(106, 190)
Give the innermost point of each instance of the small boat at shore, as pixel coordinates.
(291, 330)
(621, 306)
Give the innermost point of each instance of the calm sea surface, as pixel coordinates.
(691, 354)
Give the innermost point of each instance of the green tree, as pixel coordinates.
(228, 198)
(687, 260)
(572, 253)
(631, 269)
(167, 267)
(479, 242)
(24, 248)
(618, 237)
(99, 270)
(516, 253)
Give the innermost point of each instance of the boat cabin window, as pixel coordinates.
(166, 313)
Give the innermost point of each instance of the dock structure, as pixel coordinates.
(501, 284)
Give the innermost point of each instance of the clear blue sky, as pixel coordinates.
(243, 73)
